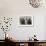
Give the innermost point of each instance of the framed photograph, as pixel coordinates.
(26, 20)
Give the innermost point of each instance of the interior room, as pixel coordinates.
(22, 23)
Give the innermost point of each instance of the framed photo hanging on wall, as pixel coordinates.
(26, 20)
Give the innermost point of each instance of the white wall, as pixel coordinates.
(45, 28)
(23, 33)
(15, 8)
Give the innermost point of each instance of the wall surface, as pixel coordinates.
(23, 32)
(45, 29)
(15, 8)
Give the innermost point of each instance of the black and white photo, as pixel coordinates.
(26, 20)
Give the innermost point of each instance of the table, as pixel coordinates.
(27, 42)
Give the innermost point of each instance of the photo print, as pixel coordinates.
(26, 20)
